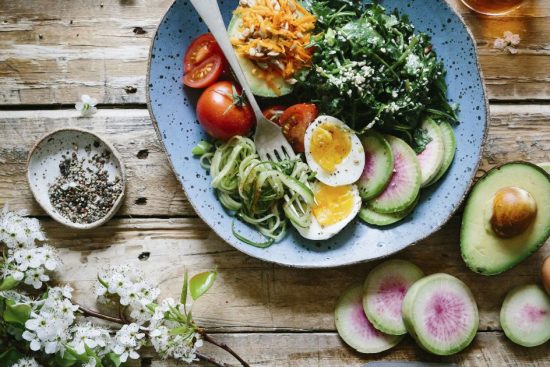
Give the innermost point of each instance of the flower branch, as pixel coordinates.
(53, 330)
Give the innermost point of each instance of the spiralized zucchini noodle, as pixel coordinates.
(263, 194)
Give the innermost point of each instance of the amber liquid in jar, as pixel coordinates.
(492, 7)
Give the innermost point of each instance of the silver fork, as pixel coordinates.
(270, 141)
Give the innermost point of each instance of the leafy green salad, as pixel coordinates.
(372, 71)
(371, 128)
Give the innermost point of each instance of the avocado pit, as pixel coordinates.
(514, 209)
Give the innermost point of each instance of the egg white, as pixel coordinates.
(317, 232)
(346, 172)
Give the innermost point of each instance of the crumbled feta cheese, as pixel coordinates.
(413, 64)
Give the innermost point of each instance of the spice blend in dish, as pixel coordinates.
(83, 192)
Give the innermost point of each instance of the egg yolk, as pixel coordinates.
(332, 204)
(330, 145)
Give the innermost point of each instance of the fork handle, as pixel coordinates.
(212, 17)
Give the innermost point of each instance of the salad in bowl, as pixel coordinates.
(372, 123)
(366, 94)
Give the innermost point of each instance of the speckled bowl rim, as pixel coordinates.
(434, 230)
(56, 216)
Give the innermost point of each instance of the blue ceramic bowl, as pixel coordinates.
(172, 109)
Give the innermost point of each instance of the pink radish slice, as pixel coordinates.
(441, 313)
(431, 158)
(378, 165)
(525, 316)
(404, 183)
(354, 327)
(384, 291)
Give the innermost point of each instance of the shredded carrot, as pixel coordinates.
(274, 34)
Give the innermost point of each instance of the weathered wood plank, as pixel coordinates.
(327, 350)
(151, 186)
(61, 49)
(516, 132)
(251, 294)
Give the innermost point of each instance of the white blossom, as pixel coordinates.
(26, 362)
(36, 277)
(91, 336)
(129, 284)
(48, 326)
(86, 105)
(181, 346)
(508, 42)
(25, 261)
(17, 231)
(127, 341)
(17, 296)
(512, 38)
(499, 44)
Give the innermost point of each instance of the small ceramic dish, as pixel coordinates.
(43, 167)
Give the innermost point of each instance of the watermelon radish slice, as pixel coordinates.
(354, 327)
(404, 183)
(525, 316)
(378, 165)
(431, 157)
(545, 166)
(369, 216)
(441, 314)
(406, 307)
(384, 290)
(449, 145)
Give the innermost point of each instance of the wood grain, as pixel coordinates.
(151, 186)
(516, 132)
(327, 350)
(251, 294)
(55, 52)
(273, 316)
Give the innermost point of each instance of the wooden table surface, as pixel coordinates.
(52, 51)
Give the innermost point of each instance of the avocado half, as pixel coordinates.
(483, 251)
(258, 86)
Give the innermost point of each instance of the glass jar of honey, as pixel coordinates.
(492, 7)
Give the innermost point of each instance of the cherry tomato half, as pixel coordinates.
(205, 73)
(200, 49)
(273, 113)
(294, 122)
(222, 112)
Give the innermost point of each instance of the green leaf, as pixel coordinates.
(115, 358)
(181, 330)
(152, 307)
(67, 360)
(184, 289)
(201, 283)
(8, 283)
(10, 357)
(17, 313)
(421, 140)
(91, 353)
(102, 282)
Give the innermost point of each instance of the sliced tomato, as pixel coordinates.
(294, 122)
(205, 73)
(223, 113)
(199, 50)
(273, 113)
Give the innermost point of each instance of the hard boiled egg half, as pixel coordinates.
(333, 151)
(333, 208)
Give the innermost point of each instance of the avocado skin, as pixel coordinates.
(540, 238)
